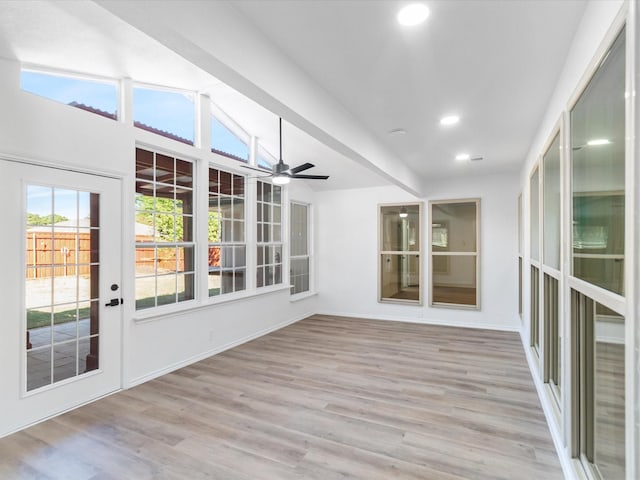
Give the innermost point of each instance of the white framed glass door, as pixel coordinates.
(61, 331)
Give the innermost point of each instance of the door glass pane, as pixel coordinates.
(535, 205)
(598, 154)
(62, 277)
(551, 192)
(454, 279)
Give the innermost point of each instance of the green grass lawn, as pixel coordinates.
(37, 318)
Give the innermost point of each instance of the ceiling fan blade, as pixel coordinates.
(262, 170)
(301, 168)
(311, 177)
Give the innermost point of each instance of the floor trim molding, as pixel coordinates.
(201, 356)
(426, 321)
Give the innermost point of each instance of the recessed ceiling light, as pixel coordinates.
(398, 131)
(413, 14)
(598, 141)
(463, 157)
(449, 120)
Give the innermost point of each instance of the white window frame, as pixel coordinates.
(260, 243)
(308, 255)
(222, 244)
(193, 244)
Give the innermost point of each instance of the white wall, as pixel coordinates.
(347, 234)
(597, 18)
(41, 130)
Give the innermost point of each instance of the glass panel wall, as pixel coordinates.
(598, 377)
(400, 246)
(552, 337)
(551, 204)
(534, 217)
(598, 174)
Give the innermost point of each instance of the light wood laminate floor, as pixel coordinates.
(325, 398)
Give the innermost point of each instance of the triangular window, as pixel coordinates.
(227, 143)
(167, 113)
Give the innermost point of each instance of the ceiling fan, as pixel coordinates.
(281, 172)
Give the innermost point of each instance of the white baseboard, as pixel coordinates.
(214, 351)
(426, 321)
(556, 435)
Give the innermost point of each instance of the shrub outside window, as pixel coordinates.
(164, 230)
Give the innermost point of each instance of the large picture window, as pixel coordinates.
(299, 251)
(164, 230)
(269, 234)
(455, 253)
(399, 253)
(227, 254)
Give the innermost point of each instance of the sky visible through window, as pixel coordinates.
(224, 140)
(171, 112)
(102, 96)
(45, 201)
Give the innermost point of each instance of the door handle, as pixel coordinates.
(114, 302)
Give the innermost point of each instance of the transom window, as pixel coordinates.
(164, 112)
(92, 96)
(227, 143)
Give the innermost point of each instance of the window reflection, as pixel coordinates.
(399, 258)
(598, 155)
(454, 253)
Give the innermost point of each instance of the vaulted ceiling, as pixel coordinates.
(342, 74)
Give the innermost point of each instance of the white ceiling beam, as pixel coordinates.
(217, 38)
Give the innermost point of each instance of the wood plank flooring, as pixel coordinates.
(325, 398)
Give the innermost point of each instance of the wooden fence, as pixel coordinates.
(65, 253)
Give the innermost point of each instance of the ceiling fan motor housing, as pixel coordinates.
(280, 167)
